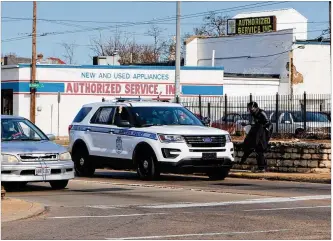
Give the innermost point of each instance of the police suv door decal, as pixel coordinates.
(119, 145)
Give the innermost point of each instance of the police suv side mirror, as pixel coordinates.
(206, 121)
(124, 123)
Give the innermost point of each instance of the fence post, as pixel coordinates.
(200, 111)
(250, 97)
(209, 110)
(277, 113)
(304, 112)
(225, 105)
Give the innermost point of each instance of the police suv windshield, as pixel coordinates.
(155, 116)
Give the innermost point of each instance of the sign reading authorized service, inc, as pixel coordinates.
(251, 25)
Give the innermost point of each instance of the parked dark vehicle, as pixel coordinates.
(232, 122)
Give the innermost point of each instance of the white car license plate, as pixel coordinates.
(42, 171)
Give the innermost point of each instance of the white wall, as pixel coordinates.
(236, 86)
(9, 73)
(69, 107)
(285, 19)
(245, 54)
(191, 53)
(313, 62)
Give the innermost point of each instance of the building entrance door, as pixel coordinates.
(6, 101)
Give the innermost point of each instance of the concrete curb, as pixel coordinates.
(25, 210)
(281, 177)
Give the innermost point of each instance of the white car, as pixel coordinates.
(149, 136)
(293, 122)
(28, 155)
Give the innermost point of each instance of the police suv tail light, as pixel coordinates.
(69, 128)
(170, 138)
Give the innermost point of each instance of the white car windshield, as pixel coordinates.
(154, 116)
(20, 130)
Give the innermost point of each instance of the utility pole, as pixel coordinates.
(33, 67)
(177, 73)
(329, 10)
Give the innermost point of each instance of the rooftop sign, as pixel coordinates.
(252, 25)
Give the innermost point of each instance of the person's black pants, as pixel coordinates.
(261, 160)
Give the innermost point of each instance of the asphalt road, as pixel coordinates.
(116, 205)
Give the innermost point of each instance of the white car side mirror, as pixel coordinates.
(51, 137)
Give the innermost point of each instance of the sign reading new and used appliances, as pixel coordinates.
(119, 81)
(251, 25)
(122, 83)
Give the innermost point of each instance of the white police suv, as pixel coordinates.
(149, 136)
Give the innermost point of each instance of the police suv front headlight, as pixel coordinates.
(6, 158)
(228, 138)
(170, 138)
(65, 156)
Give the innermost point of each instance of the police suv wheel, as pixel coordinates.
(82, 163)
(147, 167)
(219, 174)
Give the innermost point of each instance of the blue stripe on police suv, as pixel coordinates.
(123, 132)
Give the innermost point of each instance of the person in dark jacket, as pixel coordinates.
(258, 137)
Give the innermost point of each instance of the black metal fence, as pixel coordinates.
(302, 116)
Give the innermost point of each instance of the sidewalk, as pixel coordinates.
(15, 209)
(296, 177)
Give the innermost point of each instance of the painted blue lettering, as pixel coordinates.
(88, 75)
(105, 75)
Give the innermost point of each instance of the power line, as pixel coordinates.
(224, 38)
(60, 21)
(154, 21)
(199, 14)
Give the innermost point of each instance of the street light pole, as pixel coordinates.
(33, 67)
(177, 73)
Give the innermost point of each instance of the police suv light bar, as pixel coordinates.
(120, 99)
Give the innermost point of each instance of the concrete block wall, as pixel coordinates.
(291, 157)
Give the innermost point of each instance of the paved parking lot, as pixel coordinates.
(116, 205)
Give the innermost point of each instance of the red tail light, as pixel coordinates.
(69, 129)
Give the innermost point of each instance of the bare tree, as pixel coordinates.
(213, 26)
(129, 51)
(159, 46)
(69, 52)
